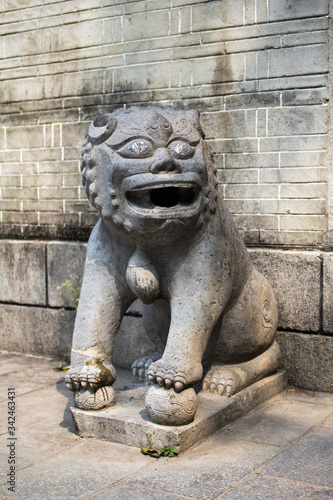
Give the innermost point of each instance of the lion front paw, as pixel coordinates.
(93, 374)
(174, 373)
(140, 367)
(224, 380)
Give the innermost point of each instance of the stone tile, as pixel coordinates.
(12, 362)
(259, 487)
(321, 398)
(46, 438)
(206, 470)
(40, 404)
(126, 491)
(4, 467)
(327, 292)
(328, 422)
(78, 472)
(309, 460)
(279, 422)
(30, 379)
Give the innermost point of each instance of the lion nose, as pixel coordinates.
(164, 163)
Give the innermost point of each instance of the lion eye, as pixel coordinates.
(136, 149)
(180, 149)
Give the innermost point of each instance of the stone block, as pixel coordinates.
(23, 44)
(308, 59)
(224, 124)
(22, 271)
(146, 25)
(308, 360)
(25, 137)
(128, 423)
(298, 120)
(296, 281)
(327, 292)
(297, 143)
(303, 222)
(35, 330)
(216, 14)
(63, 260)
(285, 9)
(311, 190)
(82, 34)
(141, 77)
(218, 69)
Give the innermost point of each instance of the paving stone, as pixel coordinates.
(78, 472)
(258, 487)
(206, 470)
(4, 466)
(12, 362)
(328, 422)
(309, 460)
(279, 422)
(126, 491)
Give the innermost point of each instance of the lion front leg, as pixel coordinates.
(191, 326)
(102, 304)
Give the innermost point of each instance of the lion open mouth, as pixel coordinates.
(163, 197)
(147, 196)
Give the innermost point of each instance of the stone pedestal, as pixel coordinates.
(128, 422)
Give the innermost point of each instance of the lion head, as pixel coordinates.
(149, 169)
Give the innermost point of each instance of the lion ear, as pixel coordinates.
(194, 116)
(101, 128)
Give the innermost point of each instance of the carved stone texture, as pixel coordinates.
(164, 236)
(167, 407)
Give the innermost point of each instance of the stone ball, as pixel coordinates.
(167, 407)
(88, 399)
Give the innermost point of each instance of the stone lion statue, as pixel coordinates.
(164, 234)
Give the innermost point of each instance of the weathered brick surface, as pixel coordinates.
(256, 69)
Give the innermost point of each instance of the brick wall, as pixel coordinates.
(258, 70)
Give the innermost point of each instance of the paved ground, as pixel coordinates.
(281, 450)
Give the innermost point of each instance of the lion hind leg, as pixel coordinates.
(226, 380)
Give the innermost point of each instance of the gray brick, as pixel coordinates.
(218, 69)
(298, 143)
(216, 14)
(22, 268)
(251, 191)
(58, 192)
(137, 26)
(301, 175)
(303, 191)
(243, 206)
(284, 269)
(43, 206)
(20, 218)
(298, 120)
(304, 159)
(300, 207)
(25, 137)
(28, 89)
(42, 180)
(59, 219)
(303, 223)
(239, 33)
(302, 97)
(237, 176)
(85, 82)
(10, 180)
(294, 26)
(256, 221)
(298, 61)
(252, 160)
(310, 38)
(285, 9)
(253, 100)
(224, 124)
(21, 44)
(19, 193)
(146, 76)
(291, 238)
(235, 146)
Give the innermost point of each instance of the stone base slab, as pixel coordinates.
(128, 423)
